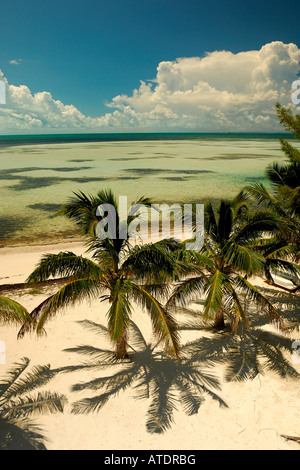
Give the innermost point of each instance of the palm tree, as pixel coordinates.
(118, 273)
(282, 252)
(16, 432)
(226, 262)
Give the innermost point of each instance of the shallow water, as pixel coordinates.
(36, 179)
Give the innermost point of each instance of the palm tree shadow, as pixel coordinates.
(244, 354)
(20, 437)
(287, 304)
(153, 376)
(17, 432)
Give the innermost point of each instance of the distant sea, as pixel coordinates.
(31, 139)
(40, 172)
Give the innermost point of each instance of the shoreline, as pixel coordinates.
(27, 255)
(39, 241)
(18, 261)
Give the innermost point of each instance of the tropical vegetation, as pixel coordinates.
(226, 262)
(116, 273)
(282, 250)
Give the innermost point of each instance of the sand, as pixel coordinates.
(258, 411)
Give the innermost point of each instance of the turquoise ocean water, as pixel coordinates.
(40, 172)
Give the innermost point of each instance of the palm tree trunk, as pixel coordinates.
(121, 347)
(219, 320)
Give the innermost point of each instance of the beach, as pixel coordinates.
(257, 412)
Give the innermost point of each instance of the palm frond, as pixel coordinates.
(289, 121)
(164, 325)
(238, 313)
(260, 223)
(119, 311)
(153, 262)
(187, 290)
(291, 152)
(35, 314)
(284, 175)
(244, 259)
(279, 266)
(71, 293)
(64, 264)
(254, 294)
(275, 248)
(13, 312)
(226, 220)
(82, 208)
(210, 221)
(214, 288)
(263, 197)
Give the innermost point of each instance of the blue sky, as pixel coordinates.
(86, 53)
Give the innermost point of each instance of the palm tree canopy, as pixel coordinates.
(117, 272)
(228, 258)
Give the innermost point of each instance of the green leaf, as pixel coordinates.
(214, 293)
(71, 293)
(163, 322)
(64, 264)
(13, 312)
(120, 310)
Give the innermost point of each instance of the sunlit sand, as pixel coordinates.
(258, 412)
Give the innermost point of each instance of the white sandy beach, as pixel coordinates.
(259, 411)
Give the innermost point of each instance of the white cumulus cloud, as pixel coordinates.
(221, 91)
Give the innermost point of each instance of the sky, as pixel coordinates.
(146, 65)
